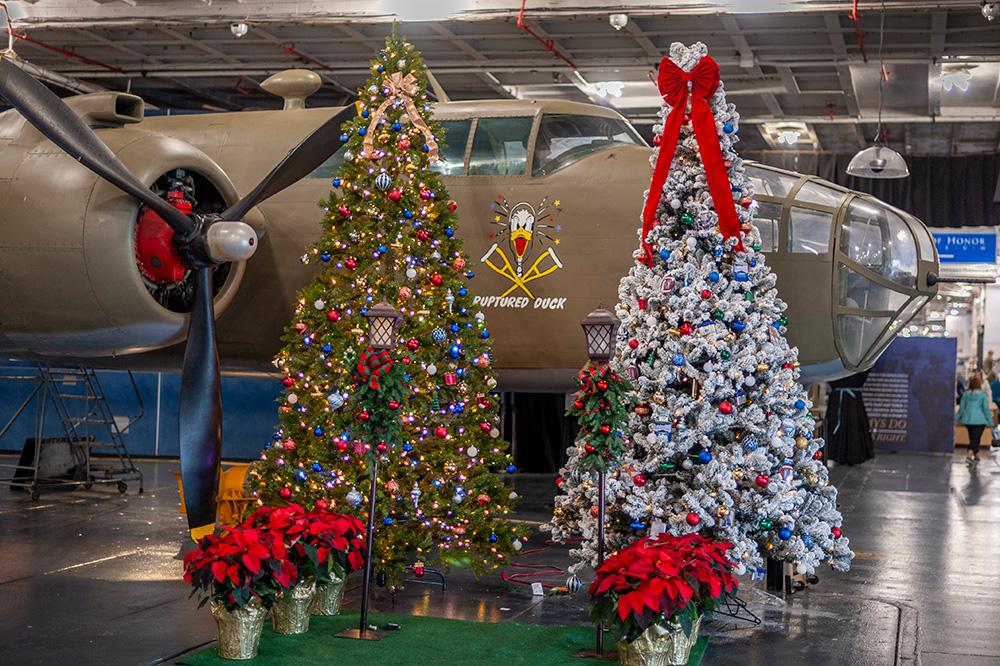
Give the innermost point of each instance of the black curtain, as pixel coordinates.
(941, 191)
(543, 431)
(847, 431)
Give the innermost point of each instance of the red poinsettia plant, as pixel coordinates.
(661, 580)
(320, 542)
(237, 566)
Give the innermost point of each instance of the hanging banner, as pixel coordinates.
(966, 248)
(910, 396)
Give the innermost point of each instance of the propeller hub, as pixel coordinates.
(230, 241)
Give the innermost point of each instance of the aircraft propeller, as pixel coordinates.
(204, 241)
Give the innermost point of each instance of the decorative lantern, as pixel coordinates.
(383, 321)
(600, 327)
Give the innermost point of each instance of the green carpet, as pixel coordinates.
(426, 640)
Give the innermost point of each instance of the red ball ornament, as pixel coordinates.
(288, 382)
(578, 404)
(452, 206)
(351, 263)
(289, 445)
(342, 446)
(483, 499)
(300, 327)
(725, 407)
(485, 426)
(693, 519)
(588, 448)
(418, 570)
(403, 143)
(381, 447)
(639, 480)
(483, 401)
(594, 511)
(602, 385)
(343, 210)
(818, 455)
(642, 303)
(395, 195)
(686, 328)
(322, 504)
(437, 280)
(762, 481)
(706, 294)
(412, 344)
(423, 236)
(658, 139)
(788, 366)
(426, 194)
(633, 343)
(559, 481)
(605, 429)
(393, 404)
(285, 492)
(333, 315)
(363, 416)
(440, 432)
(835, 531)
(458, 264)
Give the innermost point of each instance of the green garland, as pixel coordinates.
(379, 393)
(601, 407)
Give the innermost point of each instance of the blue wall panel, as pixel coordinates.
(249, 412)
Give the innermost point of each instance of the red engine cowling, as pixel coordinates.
(155, 252)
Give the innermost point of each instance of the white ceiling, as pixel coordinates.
(804, 65)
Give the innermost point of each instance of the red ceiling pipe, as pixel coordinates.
(292, 51)
(66, 52)
(547, 43)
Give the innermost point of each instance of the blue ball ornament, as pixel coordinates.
(664, 254)
(362, 131)
(343, 138)
(365, 113)
(316, 467)
(449, 232)
(511, 469)
(318, 431)
(493, 538)
(455, 351)
(784, 534)
(407, 447)
(408, 214)
(800, 404)
(704, 457)
(382, 249)
(637, 525)
(750, 443)
(454, 328)
(438, 335)
(327, 348)
(335, 182)
(396, 126)
(425, 148)
(460, 372)
(485, 335)
(380, 68)
(301, 474)
(738, 326)
(325, 257)
(462, 291)
(387, 520)
(728, 128)
(678, 359)
(807, 541)
(713, 276)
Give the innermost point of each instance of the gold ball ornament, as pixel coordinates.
(738, 473)
(801, 443)
(762, 367)
(642, 409)
(659, 398)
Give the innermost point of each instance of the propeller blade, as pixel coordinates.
(57, 122)
(200, 411)
(311, 152)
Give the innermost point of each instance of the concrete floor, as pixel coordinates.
(92, 577)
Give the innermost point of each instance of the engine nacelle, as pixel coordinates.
(68, 274)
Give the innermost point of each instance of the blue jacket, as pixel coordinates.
(974, 409)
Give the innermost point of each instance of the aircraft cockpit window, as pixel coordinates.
(858, 335)
(857, 291)
(876, 232)
(328, 169)
(819, 194)
(771, 183)
(500, 147)
(766, 221)
(451, 153)
(809, 231)
(564, 139)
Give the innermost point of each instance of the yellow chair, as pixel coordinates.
(233, 501)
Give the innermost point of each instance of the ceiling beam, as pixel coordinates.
(486, 77)
(748, 60)
(323, 72)
(643, 40)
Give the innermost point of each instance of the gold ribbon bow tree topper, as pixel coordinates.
(401, 88)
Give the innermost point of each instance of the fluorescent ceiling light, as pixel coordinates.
(788, 137)
(951, 80)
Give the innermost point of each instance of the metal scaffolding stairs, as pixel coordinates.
(88, 425)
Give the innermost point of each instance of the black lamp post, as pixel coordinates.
(600, 328)
(383, 322)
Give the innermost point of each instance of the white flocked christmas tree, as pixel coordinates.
(720, 441)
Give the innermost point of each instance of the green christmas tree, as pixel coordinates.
(389, 233)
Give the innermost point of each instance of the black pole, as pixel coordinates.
(369, 536)
(600, 550)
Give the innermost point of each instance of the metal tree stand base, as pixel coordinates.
(363, 632)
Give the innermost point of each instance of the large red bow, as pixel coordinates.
(371, 365)
(676, 86)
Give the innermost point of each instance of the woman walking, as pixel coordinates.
(974, 413)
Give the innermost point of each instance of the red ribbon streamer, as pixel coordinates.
(675, 86)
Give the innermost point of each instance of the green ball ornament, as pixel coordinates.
(766, 523)
(687, 219)
(725, 355)
(719, 314)
(755, 248)
(749, 296)
(783, 320)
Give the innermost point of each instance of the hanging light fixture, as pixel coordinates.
(878, 160)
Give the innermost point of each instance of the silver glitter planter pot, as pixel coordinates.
(291, 611)
(660, 646)
(328, 598)
(239, 630)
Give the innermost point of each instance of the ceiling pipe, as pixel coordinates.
(547, 43)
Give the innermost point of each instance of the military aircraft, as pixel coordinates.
(549, 195)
